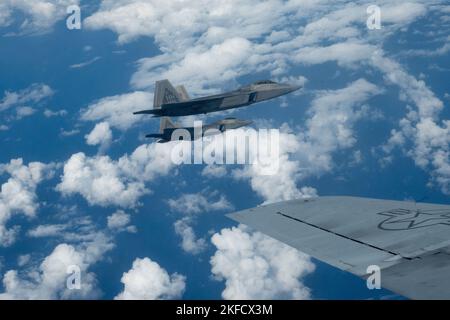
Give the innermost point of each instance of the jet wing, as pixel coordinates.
(198, 103)
(184, 107)
(409, 242)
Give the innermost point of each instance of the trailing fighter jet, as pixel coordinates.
(167, 128)
(170, 101)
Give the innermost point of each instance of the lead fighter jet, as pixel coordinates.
(170, 101)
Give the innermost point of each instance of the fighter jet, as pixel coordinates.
(167, 128)
(170, 101)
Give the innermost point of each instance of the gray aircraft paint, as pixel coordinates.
(409, 241)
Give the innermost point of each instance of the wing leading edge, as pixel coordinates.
(409, 242)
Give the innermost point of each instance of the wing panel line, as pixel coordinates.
(340, 235)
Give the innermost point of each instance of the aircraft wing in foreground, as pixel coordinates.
(410, 242)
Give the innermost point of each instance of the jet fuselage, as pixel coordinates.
(247, 95)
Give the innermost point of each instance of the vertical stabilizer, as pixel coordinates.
(182, 92)
(165, 93)
(166, 123)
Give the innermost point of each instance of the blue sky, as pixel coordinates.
(371, 121)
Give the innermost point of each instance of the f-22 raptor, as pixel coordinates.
(174, 102)
(168, 129)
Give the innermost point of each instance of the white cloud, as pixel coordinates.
(106, 182)
(204, 201)
(222, 62)
(429, 135)
(221, 41)
(18, 194)
(345, 53)
(403, 13)
(120, 221)
(193, 204)
(330, 124)
(22, 260)
(146, 280)
(40, 15)
(255, 266)
(101, 135)
(189, 241)
(50, 230)
(68, 133)
(175, 25)
(215, 171)
(48, 281)
(118, 110)
(59, 113)
(83, 246)
(22, 112)
(283, 184)
(31, 95)
(413, 90)
(84, 64)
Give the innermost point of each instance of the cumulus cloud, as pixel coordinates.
(120, 221)
(22, 112)
(49, 280)
(146, 280)
(255, 266)
(189, 241)
(330, 124)
(173, 25)
(18, 193)
(345, 53)
(221, 63)
(118, 110)
(282, 184)
(215, 171)
(192, 203)
(105, 182)
(83, 245)
(101, 135)
(39, 15)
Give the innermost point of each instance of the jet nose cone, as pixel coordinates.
(293, 88)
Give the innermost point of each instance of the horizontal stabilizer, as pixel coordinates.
(155, 112)
(154, 135)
